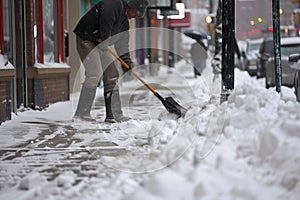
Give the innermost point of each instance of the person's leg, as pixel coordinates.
(111, 91)
(113, 107)
(90, 57)
(195, 70)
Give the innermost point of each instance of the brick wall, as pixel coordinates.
(44, 91)
(30, 42)
(5, 100)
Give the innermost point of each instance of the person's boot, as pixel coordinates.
(85, 102)
(113, 107)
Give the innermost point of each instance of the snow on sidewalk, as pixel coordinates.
(246, 148)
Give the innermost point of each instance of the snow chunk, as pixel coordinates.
(66, 179)
(268, 144)
(161, 131)
(287, 94)
(31, 181)
(292, 127)
(168, 185)
(289, 181)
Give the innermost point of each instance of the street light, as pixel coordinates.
(260, 20)
(281, 11)
(209, 19)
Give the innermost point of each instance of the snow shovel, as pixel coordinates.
(170, 104)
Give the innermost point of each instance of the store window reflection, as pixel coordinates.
(48, 25)
(7, 29)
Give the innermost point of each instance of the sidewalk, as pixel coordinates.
(38, 147)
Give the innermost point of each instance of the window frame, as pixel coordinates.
(59, 40)
(1, 30)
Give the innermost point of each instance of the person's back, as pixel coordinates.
(266, 51)
(267, 47)
(198, 56)
(198, 51)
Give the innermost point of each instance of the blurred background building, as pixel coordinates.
(254, 18)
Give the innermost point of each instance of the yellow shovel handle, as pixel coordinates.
(132, 72)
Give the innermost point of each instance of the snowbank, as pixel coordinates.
(255, 156)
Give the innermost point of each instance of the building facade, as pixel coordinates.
(34, 42)
(37, 40)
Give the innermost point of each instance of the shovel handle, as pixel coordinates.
(133, 72)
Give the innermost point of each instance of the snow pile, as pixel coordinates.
(254, 156)
(266, 128)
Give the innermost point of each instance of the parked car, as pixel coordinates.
(239, 55)
(265, 52)
(250, 55)
(295, 58)
(289, 45)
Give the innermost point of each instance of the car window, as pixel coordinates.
(254, 46)
(290, 49)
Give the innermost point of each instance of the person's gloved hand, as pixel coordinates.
(126, 58)
(128, 67)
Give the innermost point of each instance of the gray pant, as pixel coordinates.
(98, 65)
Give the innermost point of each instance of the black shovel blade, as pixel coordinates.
(173, 107)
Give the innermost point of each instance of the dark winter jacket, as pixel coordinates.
(198, 51)
(107, 18)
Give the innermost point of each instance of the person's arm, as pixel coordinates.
(122, 46)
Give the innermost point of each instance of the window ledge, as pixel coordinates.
(7, 70)
(51, 66)
(7, 73)
(48, 69)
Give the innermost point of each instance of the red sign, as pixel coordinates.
(180, 23)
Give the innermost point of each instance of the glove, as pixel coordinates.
(125, 69)
(126, 58)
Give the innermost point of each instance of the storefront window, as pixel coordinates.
(48, 26)
(49, 31)
(7, 29)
